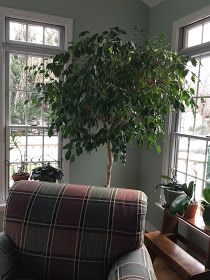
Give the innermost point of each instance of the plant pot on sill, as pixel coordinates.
(20, 176)
(171, 195)
(190, 211)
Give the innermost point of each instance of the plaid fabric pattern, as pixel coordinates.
(132, 266)
(76, 232)
(8, 258)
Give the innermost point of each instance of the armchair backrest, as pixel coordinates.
(65, 231)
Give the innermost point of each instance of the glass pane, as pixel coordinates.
(17, 107)
(17, 145)
(34, 112)
(186, 124)
(17, 74)
(52, 36)
(182, 154)
(206, 32)
(194, 36)
(45, 112)
(35, 34)
(35, 145)
(204, 85)
(31, 79)
(196, 163)
(50, 147)
(17, 31)
(181, 177)
(202, 124)
(17, 152)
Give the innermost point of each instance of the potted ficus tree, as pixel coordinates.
(104, 90)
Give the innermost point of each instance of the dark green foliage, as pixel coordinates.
(206, 196)
(107, 90)
(172, 184)
(183, 201)
(46, 173)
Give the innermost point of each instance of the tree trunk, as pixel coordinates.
(109, 165)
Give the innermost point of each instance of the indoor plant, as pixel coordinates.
(22, 173)
(47, 173)
(172, 189)
(206, 205)
(186, 203)
(106, 91)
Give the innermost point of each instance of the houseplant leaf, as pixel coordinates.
(179, 204)
(206, 194)
(190, 189)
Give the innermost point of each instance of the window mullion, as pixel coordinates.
(187, 160)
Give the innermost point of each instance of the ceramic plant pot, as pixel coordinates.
(190, 212)
(170, 195)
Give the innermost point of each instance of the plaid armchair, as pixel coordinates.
(60, 231)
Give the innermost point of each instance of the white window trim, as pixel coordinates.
(177, 25)
(30, 16)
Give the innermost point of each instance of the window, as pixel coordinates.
(25, 43)
(190, 156)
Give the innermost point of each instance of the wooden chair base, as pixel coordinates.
(185, 265)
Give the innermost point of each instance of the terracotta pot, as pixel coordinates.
(171, 195)
(18, 177)
(190, 212)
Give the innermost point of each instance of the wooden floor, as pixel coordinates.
(163, 271)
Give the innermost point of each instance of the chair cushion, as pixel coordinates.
(133, 265)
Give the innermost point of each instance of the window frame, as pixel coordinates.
(31, 17)
(177, 44)
(44, 25)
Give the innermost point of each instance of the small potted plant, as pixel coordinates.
(46, 173)
(206, 206)
(22, 173)
(172, 189)
(185, 204)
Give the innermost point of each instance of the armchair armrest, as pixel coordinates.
(8, 257)
(132, 266)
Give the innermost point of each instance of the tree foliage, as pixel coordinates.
(106, 90)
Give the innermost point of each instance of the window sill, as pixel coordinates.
(197, 222)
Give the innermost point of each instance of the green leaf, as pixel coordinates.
(165, 177)
(190, 190)
(158, 149)
(206, 194)
(82, 34)
(179, 204)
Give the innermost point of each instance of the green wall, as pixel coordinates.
(96, 16)
(162, 17)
